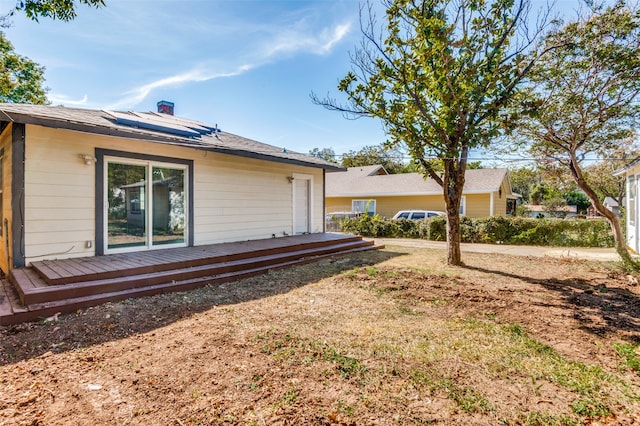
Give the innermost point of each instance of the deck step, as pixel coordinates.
(33, 311)
(32, 289)
(68, 271)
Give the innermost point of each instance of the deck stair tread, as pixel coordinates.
(187, 284)
(117, 265)
(32, 297)
(33, 289)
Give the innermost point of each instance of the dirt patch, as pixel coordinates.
(389, 337)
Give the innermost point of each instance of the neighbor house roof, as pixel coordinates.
(353, 183)
(611, 202)
(536, 208)
(367, 170)
(155, 127)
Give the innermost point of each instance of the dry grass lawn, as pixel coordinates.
(378, 338)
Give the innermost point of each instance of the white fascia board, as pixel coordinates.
(401, 194)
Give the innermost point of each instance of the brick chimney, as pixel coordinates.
(165, 107)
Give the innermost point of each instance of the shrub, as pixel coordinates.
(493, 230)
(433, 229)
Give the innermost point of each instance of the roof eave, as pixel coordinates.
(398, 194)
(267, 157)
(146, 136)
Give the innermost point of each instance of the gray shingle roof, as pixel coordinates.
(353, 183)
(102, 122)
(367, 170)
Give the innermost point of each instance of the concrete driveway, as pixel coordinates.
(602, 254)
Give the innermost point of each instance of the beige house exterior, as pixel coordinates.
(487, 192)
(632, 175)
(73, 180)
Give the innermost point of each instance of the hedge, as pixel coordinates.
(491, 230)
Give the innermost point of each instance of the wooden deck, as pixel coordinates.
(60, 286)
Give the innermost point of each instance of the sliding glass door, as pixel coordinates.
(145, 205)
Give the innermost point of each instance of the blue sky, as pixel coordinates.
(247, 66)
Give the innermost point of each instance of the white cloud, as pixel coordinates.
(57, 99)
(339, 32)
(294, 42)
(283, 44)
(139, 94)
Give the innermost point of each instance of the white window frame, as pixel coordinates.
(463, 206)
(371, 202)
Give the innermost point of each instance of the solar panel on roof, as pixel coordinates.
(185, 121)
(170, 120)
(153, 124)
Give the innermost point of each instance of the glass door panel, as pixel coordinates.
(168, 206)
(127, 201)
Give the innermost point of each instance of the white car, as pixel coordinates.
(417, 214)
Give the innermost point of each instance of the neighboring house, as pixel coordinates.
(592, 212)
(612, 204)
(538, 211)
(79, 182)
(487, 192)
(632, 175)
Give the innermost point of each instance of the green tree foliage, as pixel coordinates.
(391, 158)
(474, 165)
(583, 96)
(439, 74)
(64, 10)
(21, 79)
(327, 154)
(578, 199)
(522, 179)
(542, 191)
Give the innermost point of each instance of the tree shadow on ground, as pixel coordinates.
(118, 320)
(600, 307)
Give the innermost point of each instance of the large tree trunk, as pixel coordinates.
(616, 229)
(454, 255)
(453, 182)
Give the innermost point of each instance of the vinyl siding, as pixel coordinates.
(389, 206)
(500, 200)
(477, 205)
(234, 198)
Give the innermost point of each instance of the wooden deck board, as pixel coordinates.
(159, 271)
(96, 268)
(30, 294)
(5, 304)
(75, 270)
